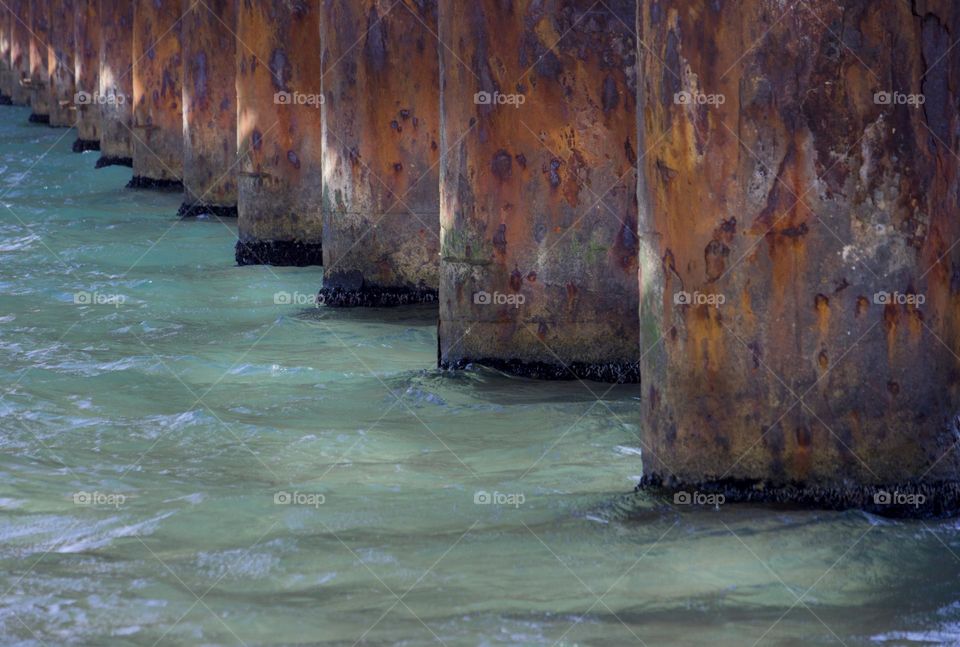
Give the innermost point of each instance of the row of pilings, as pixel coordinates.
(753, 205)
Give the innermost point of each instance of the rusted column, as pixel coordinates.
(19, 51)
(381, 133)
(157, 96)
(538, 188)
(60, 63)
(39, 81)
(209, 108)
(6, 71)
(279, 139)
(115, 99)
(86, 65)
(799, 268)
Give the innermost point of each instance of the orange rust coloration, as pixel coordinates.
(39, 78)
(381, 128)
(279, 133)
(157, 95)
(19, 52)
(115, 98)
(209, 107)
(86, 66)
(60, 63)
(819, 368)
(538, 175)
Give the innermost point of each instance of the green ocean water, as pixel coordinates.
(195, 454)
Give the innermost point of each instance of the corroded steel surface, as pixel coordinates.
(381, 129)
(60, 63)
(157, 95)
(19, 51)
(538, 188)
(39, 82)
(800, 275)
(279, 186)
(86, 66)
(209, 107)
(115, 98)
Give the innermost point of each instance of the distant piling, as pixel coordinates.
(278, 87)
(538, 189)
(60, 72)
(86, 66)
(114, 101)
(157, 96)
(6, 68)
(19, 52)
(381, 138)
(210, 164)
(39, 81)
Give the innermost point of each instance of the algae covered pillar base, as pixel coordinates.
(157, 131)
(538, 188)
(278, 97)
(381, 125)
(86, 66)
(800, 272)
(115, 98)
(209, 109)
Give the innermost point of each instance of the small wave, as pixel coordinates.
(15, 244)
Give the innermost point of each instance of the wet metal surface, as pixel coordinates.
(800, 291)
(279, 190)
(86, 65)
(381, 210)
(209, 107)
(116, 83)
(60, 63)
(538, 207)
(157, 95)
(39, 28)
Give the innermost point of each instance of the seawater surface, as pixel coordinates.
(194, 454)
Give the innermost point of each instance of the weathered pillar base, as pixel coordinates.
(113, 160)
(39, 119)
(375, 296)
(609, 373)
(141, 182)
(84, 145)
(291, 253)
(193, 210)
(921, 500)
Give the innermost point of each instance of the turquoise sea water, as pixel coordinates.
(193, 454)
